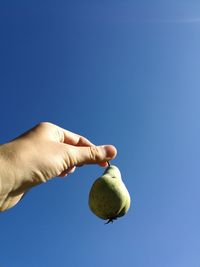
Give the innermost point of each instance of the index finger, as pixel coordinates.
(77, 140)
(73, 138)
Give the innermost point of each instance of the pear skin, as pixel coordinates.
(109, 197)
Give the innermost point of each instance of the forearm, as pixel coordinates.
(9, 193)
(17, 171)
(44, 152)
(5, 186)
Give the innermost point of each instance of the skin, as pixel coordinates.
(109, 198)
(44, 152)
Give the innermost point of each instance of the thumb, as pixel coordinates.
(91, 154)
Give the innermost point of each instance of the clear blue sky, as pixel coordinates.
(119, 72)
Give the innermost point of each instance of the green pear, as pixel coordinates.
(109, 198)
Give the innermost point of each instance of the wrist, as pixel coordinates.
(5, 181)
(5, 167)
(10, 191)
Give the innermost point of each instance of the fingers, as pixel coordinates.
(62, 135)
(79, 150)
(104, 164)
(74, 139)
(51, 131)
(68, 171)
(90, 155)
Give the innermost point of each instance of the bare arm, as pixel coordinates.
(42, 153)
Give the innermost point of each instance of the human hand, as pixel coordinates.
(44, 152)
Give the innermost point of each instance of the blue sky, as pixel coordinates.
(118, 72)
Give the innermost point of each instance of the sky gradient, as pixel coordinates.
(118, 72)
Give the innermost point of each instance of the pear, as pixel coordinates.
(108, 197)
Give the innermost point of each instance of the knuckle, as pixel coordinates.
(94, 153)
(45, 124)
(81, 140)
(69, 156)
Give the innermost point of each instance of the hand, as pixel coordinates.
(42, 153)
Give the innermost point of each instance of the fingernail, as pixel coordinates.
(110, 151)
